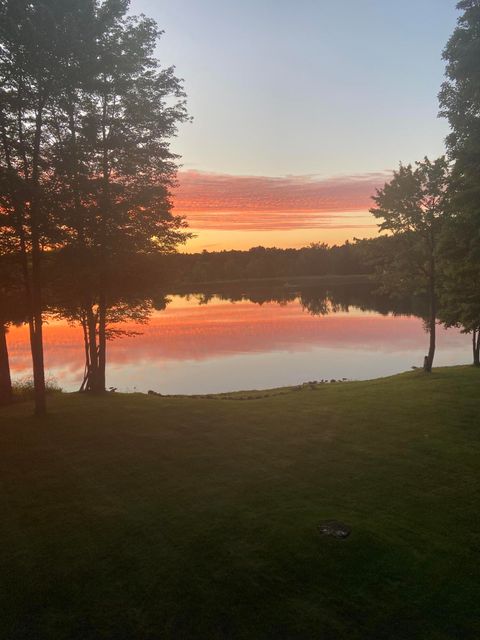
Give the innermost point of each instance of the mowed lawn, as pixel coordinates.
(135, 517)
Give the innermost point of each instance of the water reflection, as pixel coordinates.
(238, 338)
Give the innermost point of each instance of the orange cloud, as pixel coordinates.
(225, 202)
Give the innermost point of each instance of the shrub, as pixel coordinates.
(23, 387)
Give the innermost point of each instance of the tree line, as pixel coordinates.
(86, 169)
(318, 259)
(314, 298)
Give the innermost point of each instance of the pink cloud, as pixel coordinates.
(220, 201)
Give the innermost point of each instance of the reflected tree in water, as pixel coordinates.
(134, 293)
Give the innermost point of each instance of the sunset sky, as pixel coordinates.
(300, 109)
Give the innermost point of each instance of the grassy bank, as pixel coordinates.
(134, 517)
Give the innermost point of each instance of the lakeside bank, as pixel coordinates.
(141, 516)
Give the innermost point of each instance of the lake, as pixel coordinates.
(208, 344)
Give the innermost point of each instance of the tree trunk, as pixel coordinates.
(92, 379)
(6, 395)
(102, 342)
(432, 322)
(428, 363)
(32, 275)
(106, 212)
(86, 345)
(32, 284)
(36, 341)
(476, 347)
(36, 311)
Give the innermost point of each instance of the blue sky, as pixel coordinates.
(306, 86)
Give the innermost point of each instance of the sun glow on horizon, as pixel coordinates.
(242, 240)
(239, 212)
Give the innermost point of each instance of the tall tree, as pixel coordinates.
(113, 161)
(86, 114)
(34, 45)
(460, 104)
(460, 98)
(412, 208)
(6, 393)
(460, 295)
(13, 311)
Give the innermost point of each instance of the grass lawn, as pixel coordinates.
(135, 517)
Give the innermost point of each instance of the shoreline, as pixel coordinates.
(287, 281)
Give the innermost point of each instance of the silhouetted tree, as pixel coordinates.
(412, 208)
(86, 115)
(29, 56)
(318, 259)
(460, 101)
(40, 44)
(460, 104)
(460, 294)
(13, 311)
(6, 393)
(113, 162)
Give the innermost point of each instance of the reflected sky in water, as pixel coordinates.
(226, 346)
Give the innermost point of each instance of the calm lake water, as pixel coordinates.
(224, 346)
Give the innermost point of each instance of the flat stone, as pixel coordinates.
(335, 529)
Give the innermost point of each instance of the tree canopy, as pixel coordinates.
(86, 118)
(412, 207)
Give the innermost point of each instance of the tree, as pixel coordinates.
(460, 295)
(6, 392)
(13, 311)
(113, 162)
(412, 208)
(460, 104)
(460, 97)
(135, 290)
(86, 115)
(6, 277)
(35, 39)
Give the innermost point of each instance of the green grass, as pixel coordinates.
(135, 517)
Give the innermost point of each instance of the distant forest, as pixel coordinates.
(259, 262)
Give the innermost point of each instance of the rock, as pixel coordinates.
(335, 529)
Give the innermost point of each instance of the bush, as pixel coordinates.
(23, 387)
